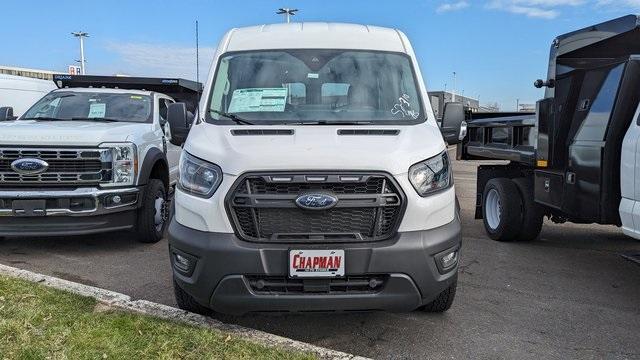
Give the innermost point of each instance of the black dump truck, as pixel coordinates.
(566, 161)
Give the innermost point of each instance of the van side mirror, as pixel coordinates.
(6, 113)
(454, 127)
(177, 119)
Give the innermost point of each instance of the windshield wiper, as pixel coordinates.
(233, 117)
(42, 118)
(95, 119)
(339, 122)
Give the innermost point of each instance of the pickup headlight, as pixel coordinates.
(198, 177)
(431, 175)
(124, 163)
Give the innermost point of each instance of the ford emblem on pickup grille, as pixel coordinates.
(27, 166)
(316, 201)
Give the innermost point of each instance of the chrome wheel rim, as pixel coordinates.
(493, 209)
(161, 207)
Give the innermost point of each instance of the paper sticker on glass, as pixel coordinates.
(258, 100)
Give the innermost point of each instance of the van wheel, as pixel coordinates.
(186, 301)
(502, 209)
(444, 300)
(532, 212)
(153, 216)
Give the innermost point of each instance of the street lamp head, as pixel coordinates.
(287, 11)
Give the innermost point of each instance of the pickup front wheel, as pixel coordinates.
(154, 213)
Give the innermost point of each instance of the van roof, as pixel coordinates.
(315, 35)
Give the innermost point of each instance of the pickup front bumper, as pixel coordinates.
(58, 212)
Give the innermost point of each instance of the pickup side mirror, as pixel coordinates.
(177, 119)
(6, 113)
(453, 127)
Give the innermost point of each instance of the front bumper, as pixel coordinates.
(224, 265)
(55, 212)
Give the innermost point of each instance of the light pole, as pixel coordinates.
(287, 12)
(81, 35)
(453, 96)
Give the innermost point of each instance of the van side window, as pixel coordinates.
(297, 93)
(336, 94)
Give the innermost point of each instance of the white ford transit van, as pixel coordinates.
(314, 178)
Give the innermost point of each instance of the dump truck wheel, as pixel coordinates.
(532, 212)
(502, 209)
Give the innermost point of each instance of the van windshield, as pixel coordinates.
(69, 105)
(315, 87)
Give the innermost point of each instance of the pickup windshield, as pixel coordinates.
(67, 105)
(315, 87)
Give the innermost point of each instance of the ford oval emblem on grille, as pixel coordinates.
(27, 166)
(316, 201)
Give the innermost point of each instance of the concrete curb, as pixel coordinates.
(124, 302)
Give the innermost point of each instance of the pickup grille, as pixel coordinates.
(66, 166)
(263, 207)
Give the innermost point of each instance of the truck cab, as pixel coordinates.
(314, 178)
(91, 156)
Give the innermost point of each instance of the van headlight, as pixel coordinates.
(431, 175)
(198, 177)
(124, 163)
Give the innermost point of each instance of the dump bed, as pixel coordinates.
(500, 136)
(181, 90)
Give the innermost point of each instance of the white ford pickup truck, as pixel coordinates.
(92, 156)
(314, 178)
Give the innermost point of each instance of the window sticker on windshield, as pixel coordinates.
(136, 97)
(403, 108)
(313, 76)
(97, 110)
(258, 100)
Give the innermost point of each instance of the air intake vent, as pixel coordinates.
(378, 132)
(261, 132)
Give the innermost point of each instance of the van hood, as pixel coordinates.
(65, 133)
(314, 147)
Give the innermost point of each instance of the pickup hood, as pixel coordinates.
(65, 133)
(314, 148)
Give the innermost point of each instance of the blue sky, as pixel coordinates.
(497, 47)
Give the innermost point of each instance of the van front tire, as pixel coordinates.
(186, 301)
(444, 300)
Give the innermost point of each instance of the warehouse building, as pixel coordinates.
(30, 73)
(439, 98)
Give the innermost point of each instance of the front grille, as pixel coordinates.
(282, 285)
(66, 166)
(263, 207)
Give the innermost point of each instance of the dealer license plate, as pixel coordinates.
(316, 263)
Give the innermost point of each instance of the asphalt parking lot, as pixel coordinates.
(570, 294)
